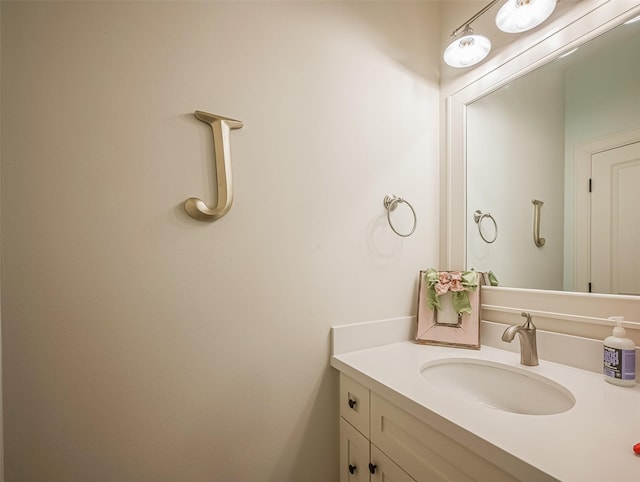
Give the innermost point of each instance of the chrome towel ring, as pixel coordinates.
(390, 203)
(478, 216)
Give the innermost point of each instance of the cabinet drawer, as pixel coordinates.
(425, 453)
(354, 404)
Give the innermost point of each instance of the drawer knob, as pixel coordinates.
(352, 403)
(372, 468)
(352, 469)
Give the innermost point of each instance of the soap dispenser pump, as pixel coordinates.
(619, 356)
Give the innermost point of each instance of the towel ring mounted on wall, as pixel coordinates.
(478, 217)
(390, 203)
(220, 127)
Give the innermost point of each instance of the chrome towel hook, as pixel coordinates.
(536, 223)
(220, 127)
(390, 203)
(478, 217)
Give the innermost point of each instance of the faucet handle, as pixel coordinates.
(529, 323)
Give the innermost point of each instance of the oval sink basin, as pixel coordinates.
(498, 386)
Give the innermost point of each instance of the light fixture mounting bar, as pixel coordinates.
(479, 14)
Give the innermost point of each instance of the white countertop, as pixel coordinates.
(591, 442)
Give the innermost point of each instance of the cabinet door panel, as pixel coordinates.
(354, 454)
(425, 453)
(386, 470)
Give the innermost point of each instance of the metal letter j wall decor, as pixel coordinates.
(220, 127)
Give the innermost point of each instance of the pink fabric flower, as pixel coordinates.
(456, 281)
(449, 282)
(442, 286)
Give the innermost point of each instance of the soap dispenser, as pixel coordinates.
(619, 357)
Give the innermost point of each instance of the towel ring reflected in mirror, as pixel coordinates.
(478, 217)
(391, 203)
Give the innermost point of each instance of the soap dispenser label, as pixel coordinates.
(620, 364)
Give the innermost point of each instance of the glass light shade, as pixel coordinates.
(467, 51)
(521, 15)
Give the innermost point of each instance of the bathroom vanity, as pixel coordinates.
(395, 424)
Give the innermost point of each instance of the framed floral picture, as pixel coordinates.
(449, 308)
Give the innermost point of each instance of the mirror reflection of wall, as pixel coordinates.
(521, 143)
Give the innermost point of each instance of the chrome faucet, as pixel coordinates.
(527, 332)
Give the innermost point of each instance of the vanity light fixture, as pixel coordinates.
(517, 16)
(514, 16)
(467, 50)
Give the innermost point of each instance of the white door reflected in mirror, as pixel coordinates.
(615, 230)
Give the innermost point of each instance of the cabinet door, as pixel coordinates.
(385, 469)
(424, 452)
(354, 454)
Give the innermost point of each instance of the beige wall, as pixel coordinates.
(139, 344)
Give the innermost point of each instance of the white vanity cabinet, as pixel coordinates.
(402, 447)
(360, 460)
